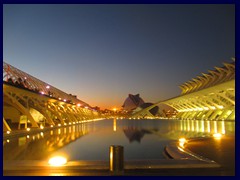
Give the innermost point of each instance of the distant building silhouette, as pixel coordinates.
(135, 103)
(132, 102)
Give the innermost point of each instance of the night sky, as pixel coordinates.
(102, 53)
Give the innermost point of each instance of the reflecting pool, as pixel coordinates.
(142, 139)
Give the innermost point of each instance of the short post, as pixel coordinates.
(116, 155)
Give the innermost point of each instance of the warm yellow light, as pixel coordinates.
(41, 126)
(213, 107)
(114, 109)
(182, 140)
(57, 161)
(28, 129)
(51, 126)
(114, 124)
(181, 144)
(217, 135)
(229, 112)
(78, 105)
(220, 107)
(206, 108)
(8, 132)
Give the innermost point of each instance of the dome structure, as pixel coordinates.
(135, 103)
(132, 102)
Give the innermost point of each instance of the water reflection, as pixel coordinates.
(40, 145)
(141, 138)
(174, 129)
(207, 127)
(114, 124)
(135, 134)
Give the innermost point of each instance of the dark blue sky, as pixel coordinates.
(103, 52)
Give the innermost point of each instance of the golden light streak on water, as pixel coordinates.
(114, 124)
(197, 127)
(215, 127)
(223, 127)
(202, 124)
(192, 123)
(208, 127)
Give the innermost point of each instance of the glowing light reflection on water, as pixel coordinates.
(142, 139)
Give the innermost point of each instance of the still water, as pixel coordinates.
(142, 139)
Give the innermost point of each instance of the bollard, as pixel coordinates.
(116, 155)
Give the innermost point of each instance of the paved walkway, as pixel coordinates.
(168, 167)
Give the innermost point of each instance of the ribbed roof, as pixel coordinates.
(213, 77)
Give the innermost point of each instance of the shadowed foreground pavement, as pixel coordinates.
(168, 167)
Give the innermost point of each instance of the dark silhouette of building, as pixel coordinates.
(135, 102)
(132, 102)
